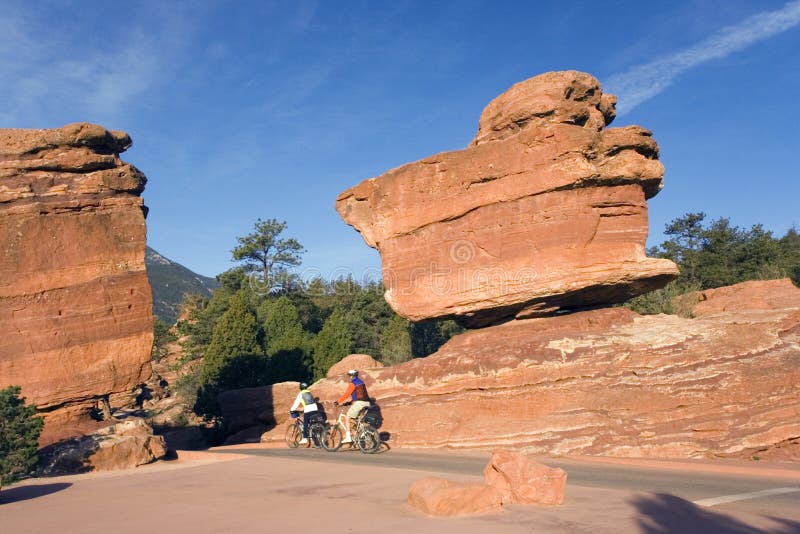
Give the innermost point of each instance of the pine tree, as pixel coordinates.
(331, 344)
(282, 327)
(19, 433)
(396, 341)
(285, 342)
(236, 333)
(262, 252)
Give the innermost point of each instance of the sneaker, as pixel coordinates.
(347, 439)
(303, 441)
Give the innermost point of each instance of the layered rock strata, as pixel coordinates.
(75, 302)
(544, 211)
(607, 382)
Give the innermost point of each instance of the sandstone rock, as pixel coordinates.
(124, 445)
(603, 382)
(358, 362)
(441, 497)
(545, 211)
(746, 296)
(75, 303)
(521, 481)
(250, 407)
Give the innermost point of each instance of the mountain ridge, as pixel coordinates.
(170, 281)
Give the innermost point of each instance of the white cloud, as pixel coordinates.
(645, 81)
(51, 77)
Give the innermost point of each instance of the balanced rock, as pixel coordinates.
(546, 210)
(521, 481)
(447, 498)
(75, 304)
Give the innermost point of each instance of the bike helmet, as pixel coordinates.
(352, 372)
(303, 385)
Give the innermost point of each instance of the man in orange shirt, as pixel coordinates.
(357, 394)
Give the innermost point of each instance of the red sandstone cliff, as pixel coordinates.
(545, 210)
(75, 302)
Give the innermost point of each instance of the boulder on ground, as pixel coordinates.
(521, 481)
(442, 497)
(127, 444)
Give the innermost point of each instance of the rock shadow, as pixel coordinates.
(68, 457)
(662, 513)
(25, 493)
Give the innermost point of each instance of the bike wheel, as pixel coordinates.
(317, 434)
(293, 436)
(368, 440)
(332, 438)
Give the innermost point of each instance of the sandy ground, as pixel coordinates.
(234, 493)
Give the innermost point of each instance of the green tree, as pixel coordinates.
(286, 343)
(162, 336)
(282, 327)
(718, 254)
(396, 341)
(19, 434)
(428, 336)
(263, 252)
(331, 344)
(235, 333)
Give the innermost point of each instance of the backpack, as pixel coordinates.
(373, 417)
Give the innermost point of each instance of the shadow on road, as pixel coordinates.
(24, 493)
(663, 513)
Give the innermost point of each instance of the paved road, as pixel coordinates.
(774, 496)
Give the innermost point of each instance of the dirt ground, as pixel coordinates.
(233, 493)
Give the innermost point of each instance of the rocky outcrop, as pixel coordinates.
(125, 445)
(521, 481)
(75, 303)
(753, 295)
(358, 362)
(606, 382)
(264, 406)
(546, 210)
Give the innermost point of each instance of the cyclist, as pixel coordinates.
(309, 404)
(357, 394)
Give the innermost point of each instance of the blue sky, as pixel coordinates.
(241, 110)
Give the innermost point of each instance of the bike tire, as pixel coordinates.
(293, 436)
(317, 434)
(368, 440)
(332, 439)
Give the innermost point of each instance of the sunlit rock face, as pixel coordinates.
(608, 382)
(544, 211)
(75, 303)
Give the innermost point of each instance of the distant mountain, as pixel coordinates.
(170, 282)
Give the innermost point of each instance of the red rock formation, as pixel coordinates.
(448, 498)
(75, 302)
(747, 296)
(358, 362)
(521, 481)
(606, 382)
(545, 210)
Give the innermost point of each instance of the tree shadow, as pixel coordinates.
(662, 513)
(24, 493)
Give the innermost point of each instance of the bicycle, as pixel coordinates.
(365, 436)
(316, 430)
